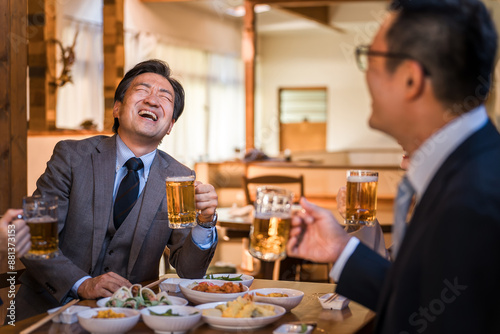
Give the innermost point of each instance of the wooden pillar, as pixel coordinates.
(114, 55)
(248, 53)
(42, 64)
(13, 126)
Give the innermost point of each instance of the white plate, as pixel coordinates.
(189, 317)
(198, 297)
(294, 297)
(175, 301)
(245, 279)
(240, 323)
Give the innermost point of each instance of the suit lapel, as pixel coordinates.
(153, 194)
(103, 165)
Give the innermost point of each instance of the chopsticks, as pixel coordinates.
(48, 317)
(155, 283)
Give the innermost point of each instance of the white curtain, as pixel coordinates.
(84, 98)
(213, 123)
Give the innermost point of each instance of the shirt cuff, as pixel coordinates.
(339, 265)
(203, 237)
(74, 289)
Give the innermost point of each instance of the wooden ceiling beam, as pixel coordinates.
(320, 14)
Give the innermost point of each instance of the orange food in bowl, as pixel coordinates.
(109, 314)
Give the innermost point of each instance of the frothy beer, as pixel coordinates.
(361, 197)
(269, 235)
(44, 237)
(181, 202)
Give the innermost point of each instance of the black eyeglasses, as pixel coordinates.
(363, 51)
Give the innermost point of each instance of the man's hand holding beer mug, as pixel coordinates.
(14, 237)
(190, 202)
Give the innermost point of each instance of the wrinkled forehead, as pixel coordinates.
(153, 81)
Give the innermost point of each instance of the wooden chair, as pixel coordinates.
(289, 182)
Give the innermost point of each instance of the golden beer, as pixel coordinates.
(40, 213)
(361, 197)
(268, 237)
(181, 202)
(44, 237)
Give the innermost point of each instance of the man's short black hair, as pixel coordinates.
(150, 66)
(456, 42)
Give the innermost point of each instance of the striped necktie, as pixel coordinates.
(401, 207)
(127, 192)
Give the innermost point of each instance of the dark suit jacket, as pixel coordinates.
(446, 276)
(81, 174)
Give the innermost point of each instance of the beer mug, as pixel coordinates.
(40, 213)
(361, 197)
(271, 224)
(181, 203)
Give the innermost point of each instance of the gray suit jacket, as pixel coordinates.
(81, 174)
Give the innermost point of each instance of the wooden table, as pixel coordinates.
(354, 319)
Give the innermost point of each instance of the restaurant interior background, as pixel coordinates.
(203, 45)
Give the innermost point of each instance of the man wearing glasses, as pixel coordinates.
(428, 71)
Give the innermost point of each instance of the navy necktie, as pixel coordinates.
(127, 192)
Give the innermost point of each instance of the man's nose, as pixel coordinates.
(152, 100)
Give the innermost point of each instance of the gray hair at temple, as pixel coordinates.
(151, 66)
(455, 42)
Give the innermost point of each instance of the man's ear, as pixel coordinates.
(116, 109)
(170, 127)
(415, 80)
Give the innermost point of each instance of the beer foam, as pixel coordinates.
(180, 178)
(365, 178)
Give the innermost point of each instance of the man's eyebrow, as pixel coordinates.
(163, 90)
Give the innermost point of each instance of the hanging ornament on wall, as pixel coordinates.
(67, 59)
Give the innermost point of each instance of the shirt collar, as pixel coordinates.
(123, 153)
(427, 159)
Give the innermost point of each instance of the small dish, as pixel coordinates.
(68, 316)
(294, 328)
(245, 279)
(187, 318)
(199, 297)
(294, 297)
(239, 324)
(333, 301)
(108, 325)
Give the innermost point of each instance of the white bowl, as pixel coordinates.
(171, 284)
(240, 323)
(189, 317)
(112, 325)
(175, 301)
(245, 279)
(198, 297)
(294, 297)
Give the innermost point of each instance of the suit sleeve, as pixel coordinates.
(189, 260)
(363, 276)
(56, 275)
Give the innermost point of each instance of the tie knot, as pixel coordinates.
(134, 164)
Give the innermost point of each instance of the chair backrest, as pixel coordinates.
(250, 185)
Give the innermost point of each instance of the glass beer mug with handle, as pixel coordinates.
(40, 213)
(361, 197)
(271, 226)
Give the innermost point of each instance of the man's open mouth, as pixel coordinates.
(148, 114)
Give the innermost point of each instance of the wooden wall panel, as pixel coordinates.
(114, 55)
(13, 126)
